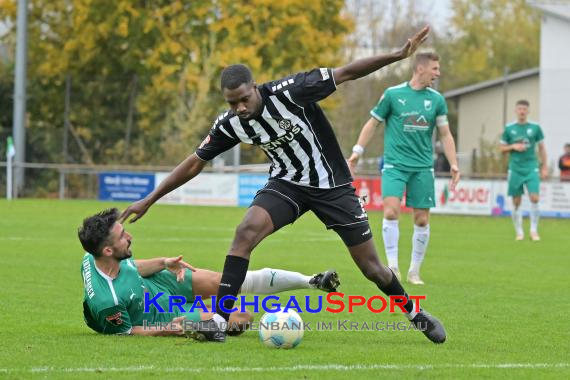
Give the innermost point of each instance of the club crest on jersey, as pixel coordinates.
(427, 104)
(285, 124)
(529, 132)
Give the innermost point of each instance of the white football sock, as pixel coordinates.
(220, 321)
(269, 281)
(391, 235)
(534, 216)
(420, 242)
(518, 221)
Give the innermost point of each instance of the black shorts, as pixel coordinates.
(338, 208)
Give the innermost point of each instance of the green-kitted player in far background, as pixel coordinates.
(520, 139)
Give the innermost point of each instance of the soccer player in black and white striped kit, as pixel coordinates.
(308, 172)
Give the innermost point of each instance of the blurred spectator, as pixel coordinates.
(564, 164)
(441, 165)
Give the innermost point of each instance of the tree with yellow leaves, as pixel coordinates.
(144, 74)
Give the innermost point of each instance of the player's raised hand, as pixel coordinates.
(414, 42)
(178, 266)
(138, 208)
(352, 161)
(455, 175)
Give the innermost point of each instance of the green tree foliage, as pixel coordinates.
(487, 36)
(164, 55)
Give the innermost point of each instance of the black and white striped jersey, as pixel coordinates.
(292, 130)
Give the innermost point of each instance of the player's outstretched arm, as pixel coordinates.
(365, 66)
(184, 172)
(148, 267)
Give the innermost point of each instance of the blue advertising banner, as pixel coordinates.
(125, 186)
(248, 185)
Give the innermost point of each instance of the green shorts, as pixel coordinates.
(418, 186)
(166, 282)
(519, 179)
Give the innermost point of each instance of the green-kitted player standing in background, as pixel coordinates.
(410, 111)
(520, 140)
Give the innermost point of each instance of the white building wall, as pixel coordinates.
(555, 85)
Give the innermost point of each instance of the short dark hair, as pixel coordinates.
(234, 76)
(523, 102)
(96, 230)
(424, 58)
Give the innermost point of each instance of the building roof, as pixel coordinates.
(491, 83)
(556, 8)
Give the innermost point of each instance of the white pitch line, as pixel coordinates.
(323, 367)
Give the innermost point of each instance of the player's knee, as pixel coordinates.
(421, 221)
(534, 198)
(248, 232)
(391, 213)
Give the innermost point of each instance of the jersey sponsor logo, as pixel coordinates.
(285, 124)
(324, 73)
(415, 123)
(427, 104)
(115, 319)
(282, 140)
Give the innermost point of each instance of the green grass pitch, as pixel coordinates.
(504, 304)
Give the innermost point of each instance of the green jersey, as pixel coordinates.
(529, 134)
(115, 305)
(410, 117)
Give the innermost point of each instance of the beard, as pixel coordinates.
(126, 254)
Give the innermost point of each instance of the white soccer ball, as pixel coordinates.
(281, 329)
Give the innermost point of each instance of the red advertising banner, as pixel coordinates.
(369, 189)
